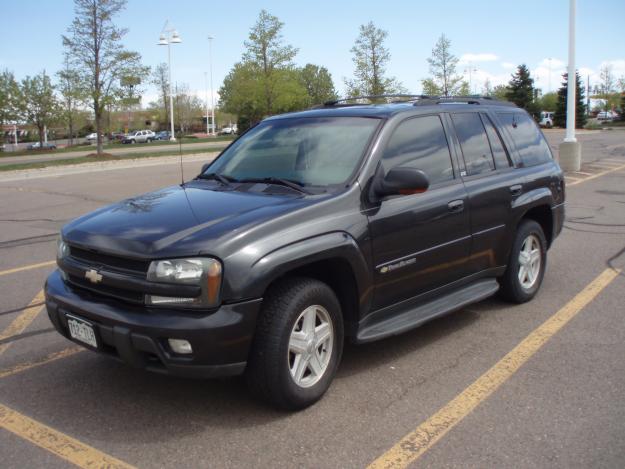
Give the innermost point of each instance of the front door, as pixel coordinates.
(420, 241)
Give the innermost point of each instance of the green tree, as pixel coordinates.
(160, 79)
(559, 117)
(95, 46)
(318, 83)
(265, 82)
(72, 96)
(267, 55)
(500, 92)
(38, 105)
(444, 80)
(548, 102)
(370, 57)
(9, 93)
(521, 90)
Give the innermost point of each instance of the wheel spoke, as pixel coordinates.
(323, 333)
(310, 317)
(315, 364)
(300, 365)
(297, 342)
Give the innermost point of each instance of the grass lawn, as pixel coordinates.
(94, 159)
(226, 139)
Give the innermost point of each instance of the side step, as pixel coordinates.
(413, 317)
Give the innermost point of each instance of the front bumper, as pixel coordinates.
(138, 335)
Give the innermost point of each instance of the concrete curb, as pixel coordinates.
(56, 171)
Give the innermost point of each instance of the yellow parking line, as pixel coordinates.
(24, 319)
(68, 352)
(417, 442)
(595, 176)
(60, 444)
(26, 267)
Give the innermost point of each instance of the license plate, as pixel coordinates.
(82, 331)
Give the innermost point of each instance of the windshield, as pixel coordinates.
(317, 151)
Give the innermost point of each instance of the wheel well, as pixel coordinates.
(338, 275)
(543, 216)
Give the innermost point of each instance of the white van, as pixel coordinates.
(546, 119)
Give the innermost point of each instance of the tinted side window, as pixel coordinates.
(474, 143)
(502, 160)
(530, 143)
(421, 143)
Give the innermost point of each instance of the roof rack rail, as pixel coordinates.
(470, 99)
(399, 99)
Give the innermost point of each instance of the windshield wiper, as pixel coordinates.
(226, 181)
(295, 185)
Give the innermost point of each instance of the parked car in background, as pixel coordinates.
(607, 116)
(163, 135)
(229, 130)
(92, 137)
(546, 119)
(117, 136)
(140, 136)
(38, 146)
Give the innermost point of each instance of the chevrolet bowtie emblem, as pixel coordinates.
(93, 276)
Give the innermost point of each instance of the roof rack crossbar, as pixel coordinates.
(468, 99)
(407, 97)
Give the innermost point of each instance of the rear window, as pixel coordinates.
(530, 143)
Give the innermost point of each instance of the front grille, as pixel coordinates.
(121, 294)
(98, 259)
(92, 259)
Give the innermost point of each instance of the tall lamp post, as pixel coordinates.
(210, 66)
(570, 148)
(168, 37)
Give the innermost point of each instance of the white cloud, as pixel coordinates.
(508, 65)
(472, 58)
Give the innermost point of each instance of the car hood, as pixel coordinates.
(178, 220)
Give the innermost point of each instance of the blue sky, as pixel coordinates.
(494, 36)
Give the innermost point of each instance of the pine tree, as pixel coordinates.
(521, 90)
(559, 117)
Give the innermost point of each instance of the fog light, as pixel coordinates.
(180, 346)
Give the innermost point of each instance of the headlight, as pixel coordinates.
(204, 272)
(62, 249)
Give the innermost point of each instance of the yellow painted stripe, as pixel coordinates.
(26, 267)
(595, 176)
(23, 320)
(68, 352)
(58, 443)
(417, 442)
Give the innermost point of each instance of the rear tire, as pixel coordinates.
(297, 345)
(526, 266)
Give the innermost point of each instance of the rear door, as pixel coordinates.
(420, 241)
(492, 185)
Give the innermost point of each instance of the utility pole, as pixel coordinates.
(210, 66)
(570, 148)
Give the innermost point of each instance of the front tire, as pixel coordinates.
(297, 345)
(526, 266)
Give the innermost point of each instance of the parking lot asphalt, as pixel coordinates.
(562, 404)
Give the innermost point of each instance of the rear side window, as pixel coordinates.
(530, 143)
(474, 143)
(421, 143)
(502, 159)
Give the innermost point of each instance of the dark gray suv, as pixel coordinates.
(349, 221)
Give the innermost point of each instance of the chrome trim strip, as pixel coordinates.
(418, 253)
(498, 227)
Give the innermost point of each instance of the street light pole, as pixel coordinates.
(570, 148)
(210, 66)
(168, 37)
(206, 92)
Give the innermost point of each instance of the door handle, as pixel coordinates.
(456, 206)
(516, 190)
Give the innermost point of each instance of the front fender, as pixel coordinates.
(336, 245)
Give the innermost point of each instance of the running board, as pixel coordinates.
(435, 308)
